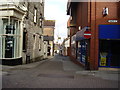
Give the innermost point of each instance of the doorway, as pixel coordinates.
(109, 53)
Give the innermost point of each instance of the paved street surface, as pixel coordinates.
(57, 72)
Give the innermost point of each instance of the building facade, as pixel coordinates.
(21, 32)
(48, 36)
(65, 47)
(102, 21)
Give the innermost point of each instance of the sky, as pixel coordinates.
(56, 10)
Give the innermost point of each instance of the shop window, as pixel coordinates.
(9, 47)
(109, 53)
(41, 1)
(9, 38)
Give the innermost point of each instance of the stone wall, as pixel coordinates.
(34, 45)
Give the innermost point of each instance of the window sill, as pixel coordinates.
(24, 50)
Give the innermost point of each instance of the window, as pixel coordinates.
(41, 20)
(41, 1)
(24, 40)
(40, 40)
(10, 38)
(35, 15)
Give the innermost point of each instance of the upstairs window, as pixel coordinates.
(41, 1)
(41, 18)
(40, 42)
(35, 15)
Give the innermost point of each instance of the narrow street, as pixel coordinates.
(55, 72)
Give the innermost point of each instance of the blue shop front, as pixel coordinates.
(109, 46)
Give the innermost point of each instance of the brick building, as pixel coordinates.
(21, 32)
(102, 19)
(48, 35)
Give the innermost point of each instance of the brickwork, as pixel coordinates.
(82, 14)
(91, 14)
(96, 20)
(99, 19)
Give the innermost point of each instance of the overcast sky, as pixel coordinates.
(56, 10)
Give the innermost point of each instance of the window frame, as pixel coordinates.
(16, 37)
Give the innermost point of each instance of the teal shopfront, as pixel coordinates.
(109, 46)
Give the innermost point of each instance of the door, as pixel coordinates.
(81, 51)
(109, 53)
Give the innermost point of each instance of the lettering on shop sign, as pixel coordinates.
(114, 21)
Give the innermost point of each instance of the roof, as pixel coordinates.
(49, 23)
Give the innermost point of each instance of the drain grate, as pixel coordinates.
(56, 76)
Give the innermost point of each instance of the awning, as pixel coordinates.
(73, 39)
(109, 31)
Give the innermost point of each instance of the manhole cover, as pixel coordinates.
(56, 76)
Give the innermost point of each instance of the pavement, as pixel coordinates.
(57, 72)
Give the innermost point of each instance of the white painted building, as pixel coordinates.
(21, 25)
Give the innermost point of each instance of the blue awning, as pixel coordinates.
(109, 31)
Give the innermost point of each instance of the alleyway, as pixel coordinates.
(56, 72)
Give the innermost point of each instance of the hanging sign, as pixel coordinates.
(87, 34)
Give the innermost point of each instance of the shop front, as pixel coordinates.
(10, 37)
(11, 34)
(82, 51)
(109, 46)
(82, 47)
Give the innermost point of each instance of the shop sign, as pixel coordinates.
(103, 61)
(114, 21)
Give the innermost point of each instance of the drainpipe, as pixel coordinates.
(88, 41)
(95, 38)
